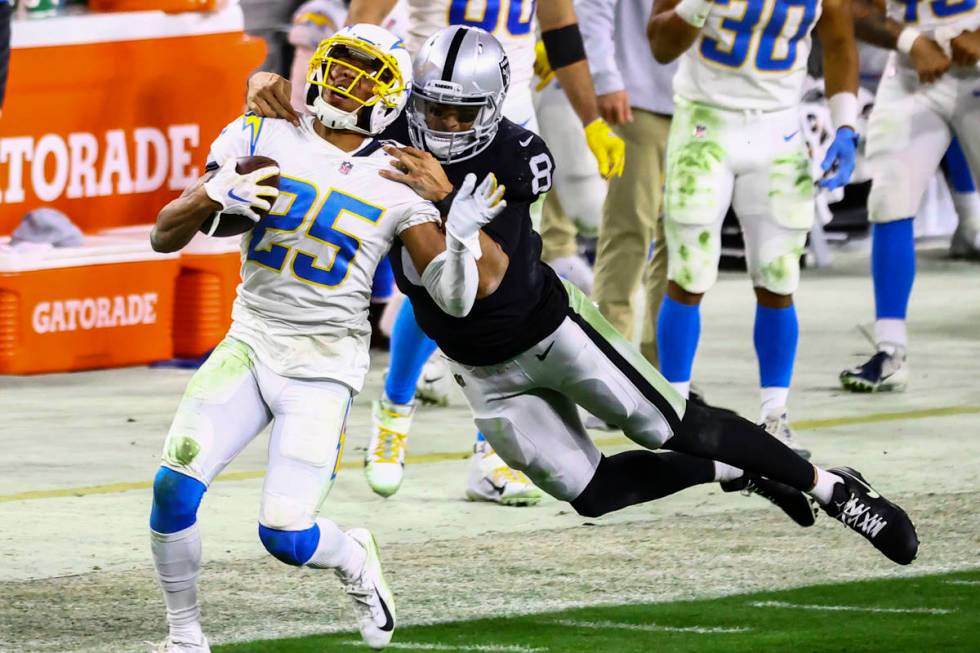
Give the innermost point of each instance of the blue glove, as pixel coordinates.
(840, 159)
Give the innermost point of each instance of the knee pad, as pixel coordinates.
(176, 498)
(781, 275)
(692, 256)
(291, 547)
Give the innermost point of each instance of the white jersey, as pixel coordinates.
(927, 15)
(750, 55)
(511, 21)
(307, 267)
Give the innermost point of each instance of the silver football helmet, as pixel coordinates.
(464, 71)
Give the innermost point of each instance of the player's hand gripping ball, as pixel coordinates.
(246, 188)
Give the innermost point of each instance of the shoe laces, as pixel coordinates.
(390, 447)
(860, 517)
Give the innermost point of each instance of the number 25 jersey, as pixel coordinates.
(751, 54)
(307, 267)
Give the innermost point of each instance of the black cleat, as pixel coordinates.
(859, 507)
(800, 507)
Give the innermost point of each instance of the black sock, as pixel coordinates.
(722, 435)
(635, 477)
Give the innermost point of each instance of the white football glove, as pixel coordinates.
(472, 209)
(242, 194)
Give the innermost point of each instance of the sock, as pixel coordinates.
(724, 436)
(632, 477)
(776, 334)
(336, 550)
(892, 267)
(177, 558)
(725, 472)
(678, 330)
(891, 332)
(682, 387)
(823, 489)
(772, 399)
(410, 349)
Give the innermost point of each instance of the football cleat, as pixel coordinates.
(176, 644)
(859, 507)
(435, 383)
(965, 243)
(888, 369)
(800, 507)
(490, 479)
(777, 425)
(374, 604)
(384, 460)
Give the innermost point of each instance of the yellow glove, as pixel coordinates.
(541, 66)
(608, 149)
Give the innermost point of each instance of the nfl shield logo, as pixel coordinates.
(700, 131)
(345, 167)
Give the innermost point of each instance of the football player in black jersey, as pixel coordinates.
(535, 348)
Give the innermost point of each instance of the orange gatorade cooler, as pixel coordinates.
(107, 303)
(210, 270)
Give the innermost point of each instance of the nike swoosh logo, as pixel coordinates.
(389, 621)
(544, 354)
(868, 488)
(790, 137)
(525, 142)
(232, 195)
(499, 488)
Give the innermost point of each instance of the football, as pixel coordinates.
(232, 224)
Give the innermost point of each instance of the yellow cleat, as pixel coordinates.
(490, 479)
(384, 461)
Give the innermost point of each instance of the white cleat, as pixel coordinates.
(777, 424)
(435, 383)
(490, 479)
(374, 604)
(178, 645)
(384, 460)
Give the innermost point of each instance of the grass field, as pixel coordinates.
(922, 613)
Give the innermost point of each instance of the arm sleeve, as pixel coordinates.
(597, 20)
(452, 279)
(5, 14)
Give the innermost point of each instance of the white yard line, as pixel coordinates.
(962, 582)
(481, 648)
(651, 627)
(848, 608)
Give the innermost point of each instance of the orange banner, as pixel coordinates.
(109, 132)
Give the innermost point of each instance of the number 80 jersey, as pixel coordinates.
(751, 54)
(307, 267)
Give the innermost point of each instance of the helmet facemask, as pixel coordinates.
(426, 105)
(361, 61)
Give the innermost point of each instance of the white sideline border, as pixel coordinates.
(650, 627)
(428, 646)
(849, 608)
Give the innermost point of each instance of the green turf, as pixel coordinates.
(954, 624)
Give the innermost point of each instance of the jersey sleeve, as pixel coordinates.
(239, 138)
(530, 168)
(416, 213)
(316, 20)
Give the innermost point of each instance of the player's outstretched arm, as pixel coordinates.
(675, 25)
(840, 56)
(873, 26)
(369, 11)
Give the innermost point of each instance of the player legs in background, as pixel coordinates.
(228, 401)
(773, 196)
(966, 199)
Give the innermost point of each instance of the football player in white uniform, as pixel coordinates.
(930, 92)
(297, 350)
(736, 141)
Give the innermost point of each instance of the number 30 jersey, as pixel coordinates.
(307, 266)
(751, 54)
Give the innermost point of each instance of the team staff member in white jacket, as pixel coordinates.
(635, 97)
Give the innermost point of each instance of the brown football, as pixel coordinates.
(231, 224)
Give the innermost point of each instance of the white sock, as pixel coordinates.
(725, 472)
(683, 387)
(967, 207)
(773, 398)
(823, 489)
(337, 550)
(177, 558)
(891, 331)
